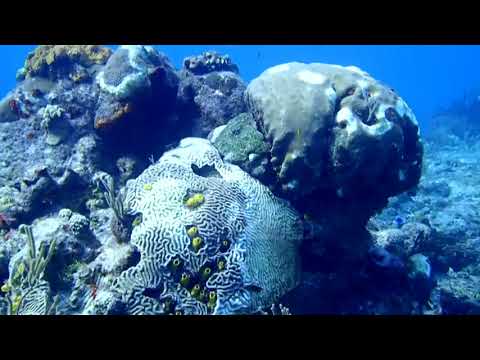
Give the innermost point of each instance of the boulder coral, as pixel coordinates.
(341, 142)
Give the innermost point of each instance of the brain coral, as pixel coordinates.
(53, 61)
(212, 239)
(339, 138)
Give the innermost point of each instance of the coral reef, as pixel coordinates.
(215, 226)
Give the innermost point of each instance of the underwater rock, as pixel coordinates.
(419, 267)
(129, 167)
(209, 100)
(8, 196)
(382, 259)
(62, 61)
(136, 107)
(405, 241)
(459, 294)
(341, 142)
(69, 247)
(86, 159)
(127, 73)
(436, 188)
(115, 258)
(209, 61)
(55, 126)
(240, 143)
(445, 202)
(207, 229)
(8, 109)
(79, 226)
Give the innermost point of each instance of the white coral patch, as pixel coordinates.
(354, 124)
(380, 111)
(356, 70)
(216, 133)
(311, 77)
(134, 51)
(378, 129)
(362, 83)
(278, 69)
(331, 94)
(345, 115)
(129, 84)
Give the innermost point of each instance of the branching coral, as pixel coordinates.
(121, 224)
(27, 292)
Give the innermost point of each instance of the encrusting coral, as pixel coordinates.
(54, 61)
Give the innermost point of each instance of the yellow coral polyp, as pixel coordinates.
(203, 296)
(16, 303)
(206, 273)
(192, 232)
(221, 265)
(184, 279)
(195, 292)
(6, 287)
(195, 200)
(212, 299)
(147, 187)
(224, 245)
(21, 268)
(176, 263)
(212, 295)
(197, 243)
(137, 221)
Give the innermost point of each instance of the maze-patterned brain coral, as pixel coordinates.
(212, 239)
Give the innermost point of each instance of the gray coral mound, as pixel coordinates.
(336, 133)
(248, 255)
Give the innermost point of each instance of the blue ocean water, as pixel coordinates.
(428, 77)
